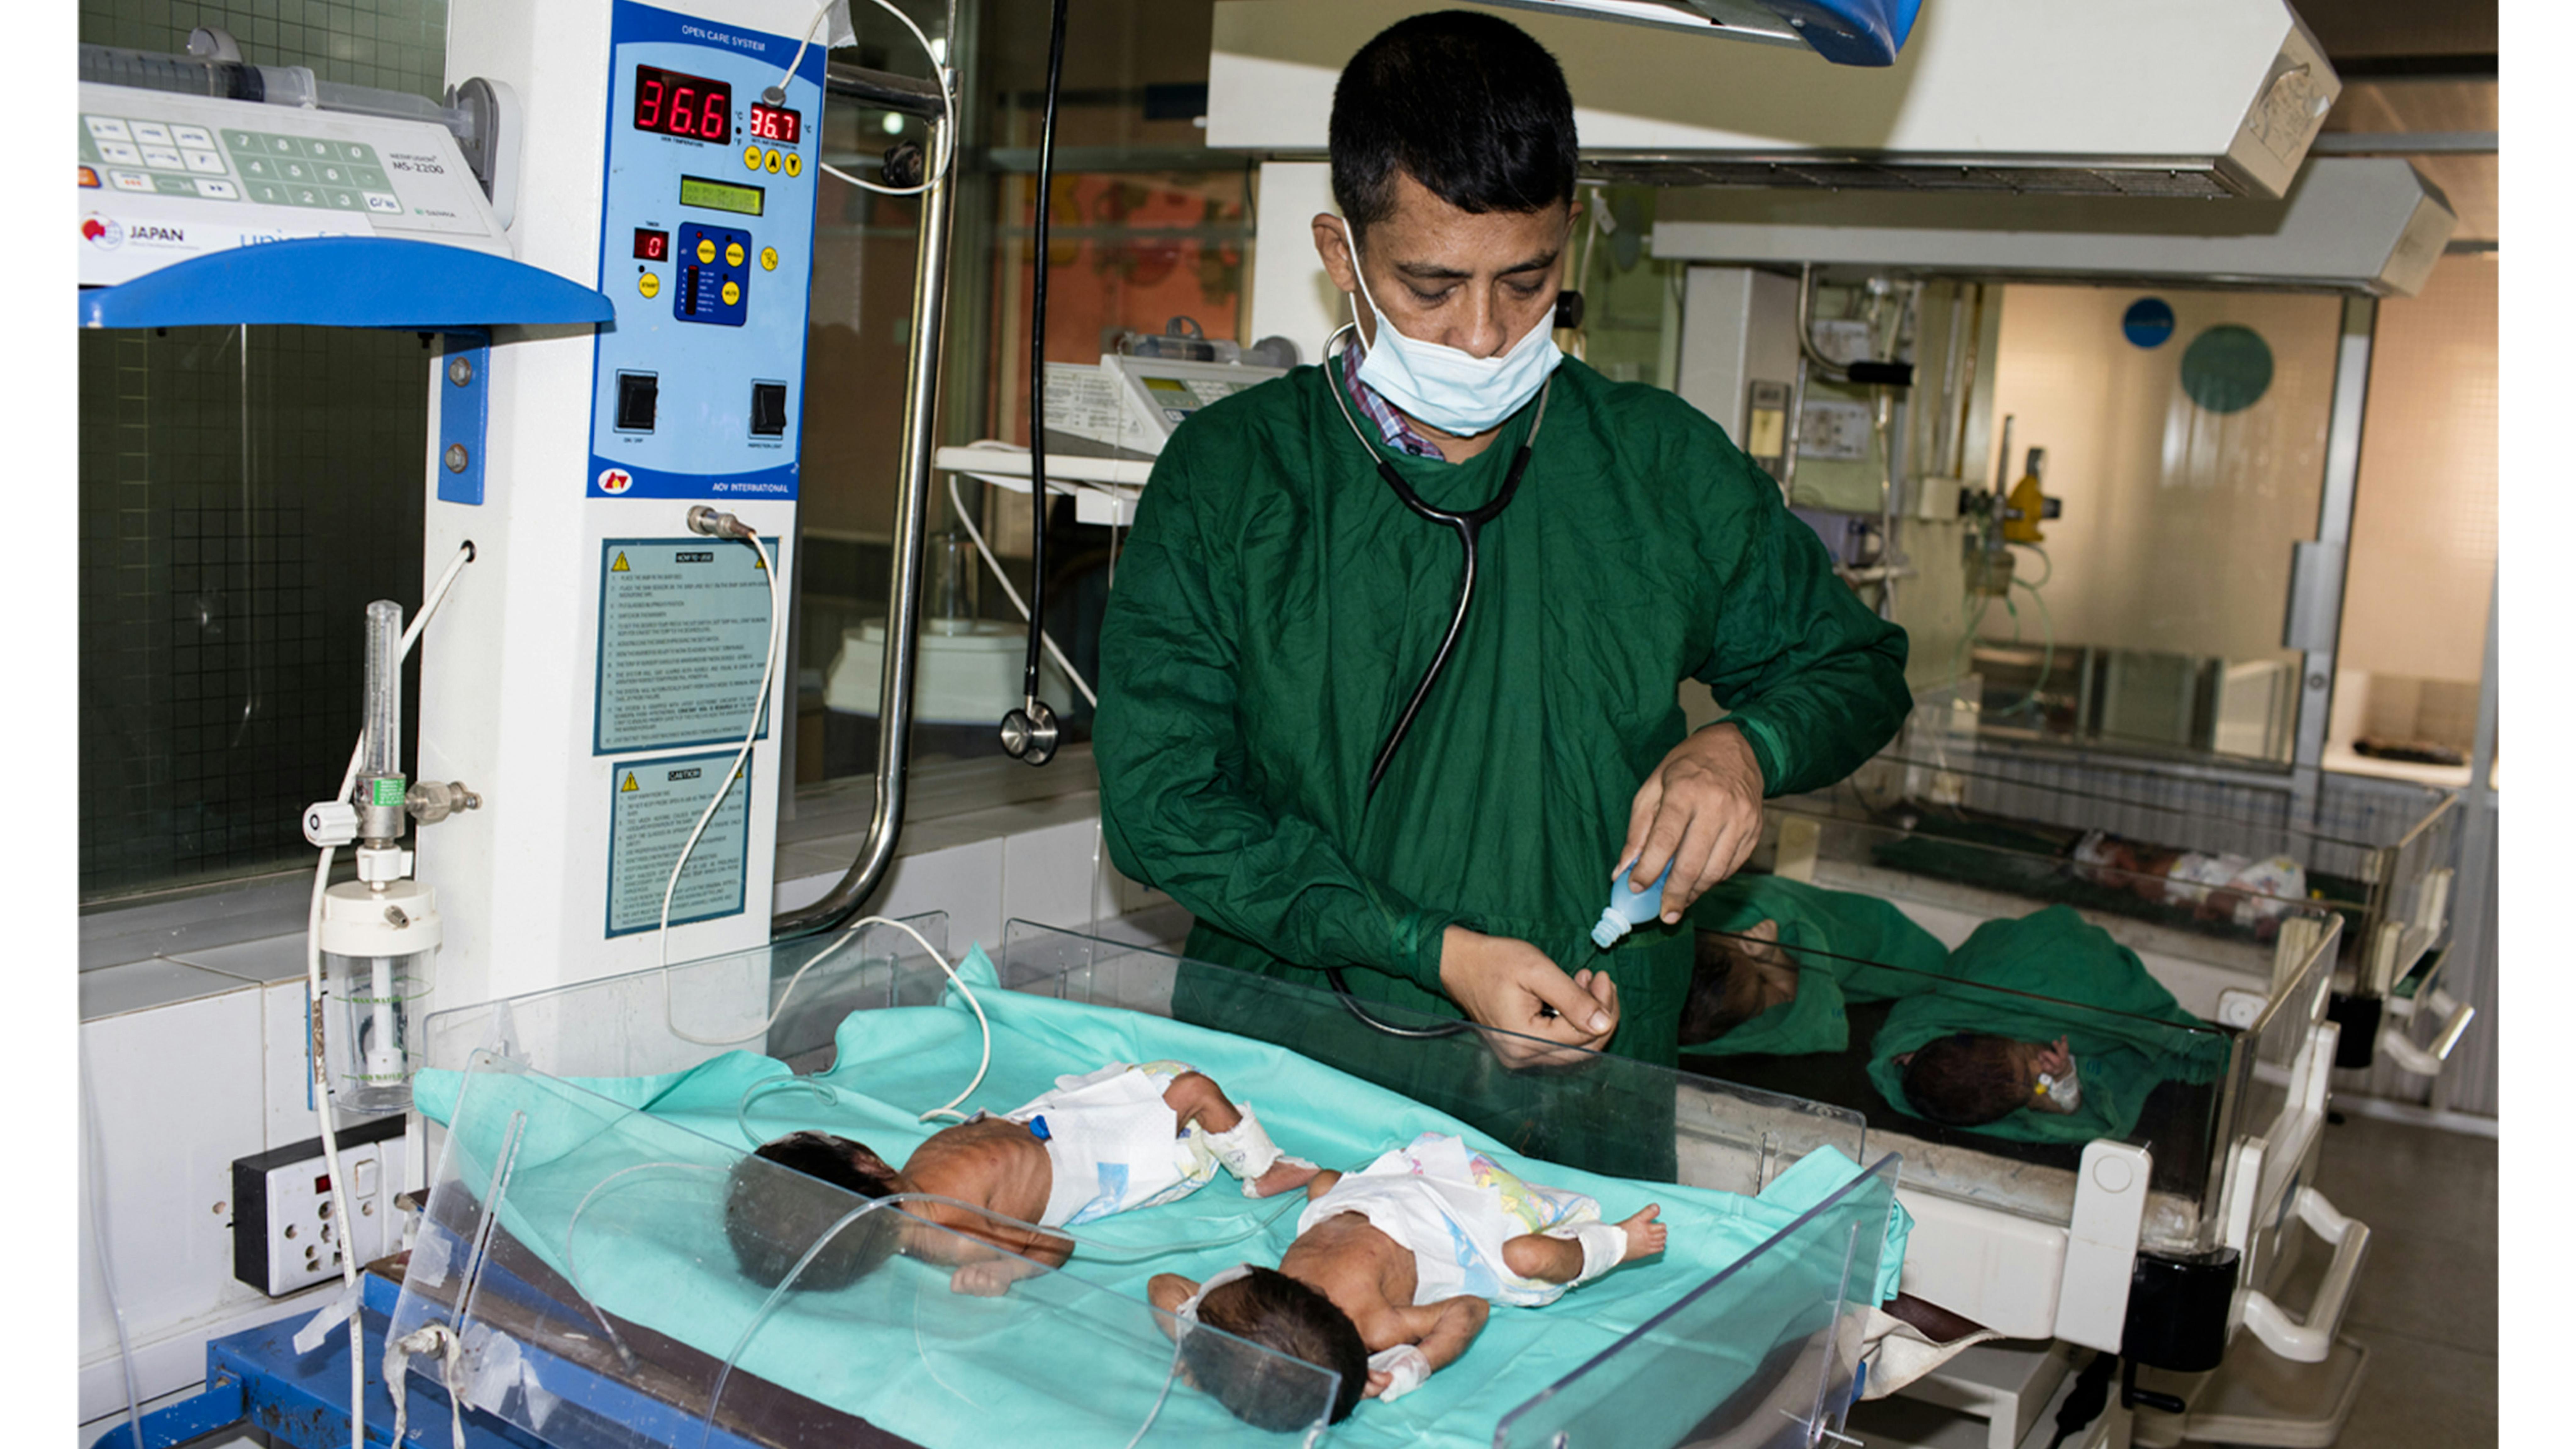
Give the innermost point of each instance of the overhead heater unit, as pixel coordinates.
(2369, 224)
(2181, 98)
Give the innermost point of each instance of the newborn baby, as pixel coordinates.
(1968, 1079)
(1393, 1269)
(1109, 1141)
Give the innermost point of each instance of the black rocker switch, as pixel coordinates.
(768, 409)
(638, 393)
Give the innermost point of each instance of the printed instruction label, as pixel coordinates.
(653, 804)
(683, 631)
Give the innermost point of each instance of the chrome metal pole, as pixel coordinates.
(903, 603)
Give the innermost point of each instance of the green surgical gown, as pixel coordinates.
(1276, 604)
(1844, 944)
(2125, 1030)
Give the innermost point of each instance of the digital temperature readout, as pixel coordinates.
(673, 104)
(651, 245)
(775, 123)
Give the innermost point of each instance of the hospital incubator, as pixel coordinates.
(1958, 829)
(570, 1244)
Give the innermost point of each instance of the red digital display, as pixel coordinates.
(683, 105)
(775, 123)
(652, 246)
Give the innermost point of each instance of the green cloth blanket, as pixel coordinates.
(2056, 975)
(1843, 942)
(1055, 1360)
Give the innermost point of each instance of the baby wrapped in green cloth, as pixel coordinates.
(2065, 1051)
(1777, 959)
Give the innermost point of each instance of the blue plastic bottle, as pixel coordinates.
(1629, 908)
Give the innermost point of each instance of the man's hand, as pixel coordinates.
(1702, 811)
(1512, 986)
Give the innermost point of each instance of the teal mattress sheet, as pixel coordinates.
(1046, 1362)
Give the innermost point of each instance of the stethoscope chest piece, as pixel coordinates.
(1030, 734)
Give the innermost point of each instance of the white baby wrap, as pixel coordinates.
(1115, 1144)
(1455, 1209)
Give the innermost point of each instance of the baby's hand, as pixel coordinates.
(1645, 1235)
(990, 1278)
(1285, 1175)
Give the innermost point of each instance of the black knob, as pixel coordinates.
(903, 164)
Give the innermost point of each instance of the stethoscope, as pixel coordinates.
(1467, 525)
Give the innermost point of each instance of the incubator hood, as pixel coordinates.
(2185, 98)
(2369, 224)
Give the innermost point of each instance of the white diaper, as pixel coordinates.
(1454, 1210)
(1114, 1144)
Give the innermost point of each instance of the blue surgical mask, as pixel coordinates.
(1442, 387)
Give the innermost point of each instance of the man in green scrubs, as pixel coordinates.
(1278, 603)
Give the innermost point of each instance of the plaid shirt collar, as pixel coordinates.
(1399, 433)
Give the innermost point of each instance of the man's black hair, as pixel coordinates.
(1279, 1313)
(1466, 104)
(772, 1218)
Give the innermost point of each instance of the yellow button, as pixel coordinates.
(706, 249)
(769, 259)
(795, 163)
(773, 159)
(732, 294)
(648, 284)
(733, 254)
(751, 157)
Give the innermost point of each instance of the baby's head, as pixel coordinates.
(1279, 1313)
(1735, 978)
(771, 1218)
(1968, 1079)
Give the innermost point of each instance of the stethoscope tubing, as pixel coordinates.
(1468, 525)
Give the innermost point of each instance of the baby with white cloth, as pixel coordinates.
(1103, 1142)
(1395, 1265)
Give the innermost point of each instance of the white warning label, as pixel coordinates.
(653, 804)
(683, 631)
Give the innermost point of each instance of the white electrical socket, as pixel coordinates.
(287, 1232)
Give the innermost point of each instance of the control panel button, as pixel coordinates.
(649, 284)
(706, 249)
(795, 164)
(768, 409)
(107, 128)
(772, 162)
(388, 204)
(117, 153)
(751, 158)
(89, 178)
(129, 181)
(639, 394)
(732, 294)
(152, 133)
(217, 190)
(197, 136)
(204, 161)
(733, 254)
(769, 259)
(163, 158)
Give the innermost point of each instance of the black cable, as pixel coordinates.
(1029, 733)
(2085, 1402)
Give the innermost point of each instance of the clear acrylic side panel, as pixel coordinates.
(668, 1019)
(2273, 1049)
(2173, 1090)
(611, 1279)
(1984, 868)
(1601, 1113)
(1763, 1354)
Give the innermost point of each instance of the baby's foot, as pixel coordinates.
(1645, 1235)
(1284, 1175)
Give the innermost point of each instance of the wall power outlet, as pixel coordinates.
(287, 1234)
